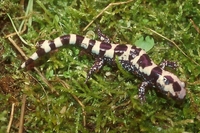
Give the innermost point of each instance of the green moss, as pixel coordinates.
(108, 102)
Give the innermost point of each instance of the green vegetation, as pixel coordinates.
(108, 102)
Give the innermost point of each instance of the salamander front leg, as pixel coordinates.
(142, 90)
(99, 62)
(167, 63)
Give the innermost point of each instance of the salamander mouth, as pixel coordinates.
(166, 94)
(177, 98)
(161, 89)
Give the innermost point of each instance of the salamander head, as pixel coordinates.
(170, 85)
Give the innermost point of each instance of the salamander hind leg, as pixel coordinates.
(102, 36)
(167, 63)
(99, 63)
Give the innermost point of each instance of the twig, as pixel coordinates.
(22, 3)
(46, 81)
(76, 98)
(195, 26)
(111, 4)
(11, 118)
(21, 122)
(174, 45)
(18, 48)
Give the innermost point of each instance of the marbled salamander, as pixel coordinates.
(133, 59)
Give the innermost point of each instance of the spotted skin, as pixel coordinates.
(133, 59)
(99, 62)
(168, 64)
(102, 36)
(141, 91)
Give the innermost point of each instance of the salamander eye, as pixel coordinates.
(165, 80)
(168, 80)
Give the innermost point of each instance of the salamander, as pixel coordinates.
(132, 58)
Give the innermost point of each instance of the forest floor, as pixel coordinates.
(53, 97)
